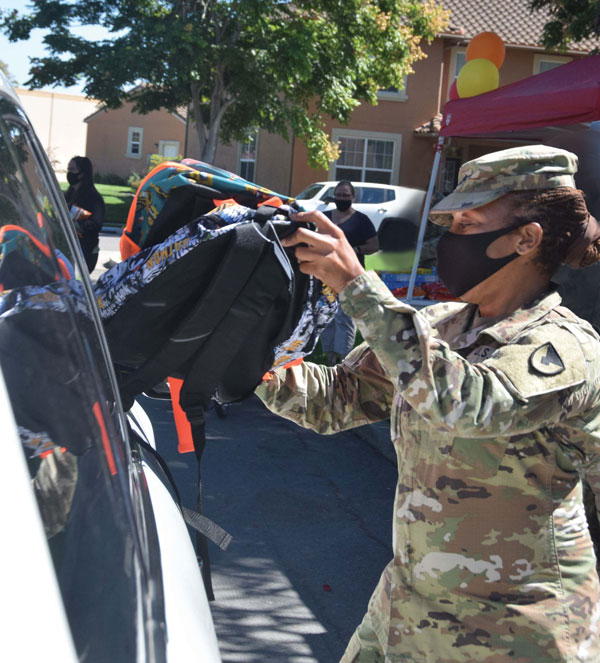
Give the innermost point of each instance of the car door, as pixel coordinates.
(93, 504)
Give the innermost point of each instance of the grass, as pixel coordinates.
(117, 200)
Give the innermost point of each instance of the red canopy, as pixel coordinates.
(569, 94)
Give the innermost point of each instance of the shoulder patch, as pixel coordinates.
(546, 360)
(543, 360)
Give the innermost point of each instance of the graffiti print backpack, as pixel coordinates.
(200, 281)
(207, 296)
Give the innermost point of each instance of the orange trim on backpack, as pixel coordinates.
(269, 375)
(44, 249)
(129, 244)
(127, 247)
(185, 441)
(273, 201)
(45, 454)
(105, 441)
(37, 243)
(225, 201)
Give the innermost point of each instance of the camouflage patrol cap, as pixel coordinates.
(483, 180)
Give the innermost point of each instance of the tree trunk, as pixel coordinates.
(208, 134)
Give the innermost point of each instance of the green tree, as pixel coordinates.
(237, 64)
(570, 21)
(6, 72)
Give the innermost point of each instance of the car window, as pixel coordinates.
(60, 389)
(328, 194)
(373, 195)
(309, 192)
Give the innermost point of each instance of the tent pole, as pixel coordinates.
(425, 214)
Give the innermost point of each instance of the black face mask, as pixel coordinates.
(462, 261)
(342, 204)
(73, 178)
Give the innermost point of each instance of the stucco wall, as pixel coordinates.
(392, 117)
(273, 159)
(58, 122)
(108, 134)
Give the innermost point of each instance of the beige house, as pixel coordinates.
(122, 141)
(58, 120)
(392, 142)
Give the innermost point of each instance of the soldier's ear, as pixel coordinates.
(530, 237)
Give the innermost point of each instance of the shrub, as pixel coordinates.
(134, 180)
(157, 159)
(110, 178)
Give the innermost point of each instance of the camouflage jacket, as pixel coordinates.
(492, 427)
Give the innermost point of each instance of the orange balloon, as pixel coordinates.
(487, 45)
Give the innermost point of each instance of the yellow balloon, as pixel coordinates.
(476, 77)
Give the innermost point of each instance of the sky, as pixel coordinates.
(16, 54)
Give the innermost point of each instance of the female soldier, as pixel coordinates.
(495, 412)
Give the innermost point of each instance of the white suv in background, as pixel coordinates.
(395, 211)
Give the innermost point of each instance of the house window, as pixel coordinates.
(134, 142)
(458, 57)
(450, 175)
(168, 148)
(394, 93)
(367, 156)
(247, 160)
(543, 62)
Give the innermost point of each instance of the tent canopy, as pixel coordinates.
(555, 108)
(566, 95)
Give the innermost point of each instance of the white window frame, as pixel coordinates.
(538, 58)
(163, 143)
(338, 133)
(129, 154)
(453, 69)
(242, 159)
(398, 95)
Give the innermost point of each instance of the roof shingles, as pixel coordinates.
(513, 21)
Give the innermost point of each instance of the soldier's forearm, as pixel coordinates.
(449, 392)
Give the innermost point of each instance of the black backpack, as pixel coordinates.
(217, 303)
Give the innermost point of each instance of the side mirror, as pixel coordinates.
(328, 199)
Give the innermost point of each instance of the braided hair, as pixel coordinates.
(563, 216)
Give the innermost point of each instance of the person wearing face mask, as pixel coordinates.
(87, 207)
(339, 336)
(494, 407)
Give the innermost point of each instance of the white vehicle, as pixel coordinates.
(395, 211)
(96, 562)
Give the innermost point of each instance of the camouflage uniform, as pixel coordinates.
(492, 425)
(494, 422)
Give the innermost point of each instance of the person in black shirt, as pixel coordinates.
(338, 337)
(83, 194)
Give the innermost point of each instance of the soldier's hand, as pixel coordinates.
(325, 254)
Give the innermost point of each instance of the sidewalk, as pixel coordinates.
(106, 255)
